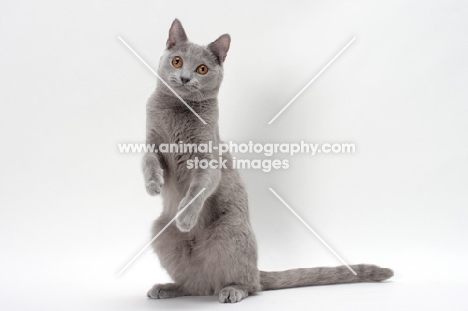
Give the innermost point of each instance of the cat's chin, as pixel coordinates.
(183, 88)
(189, 91)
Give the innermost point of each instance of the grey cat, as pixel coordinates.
(211, 248)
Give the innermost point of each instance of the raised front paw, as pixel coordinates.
(153, 174)
(188, 219)
(154, 186)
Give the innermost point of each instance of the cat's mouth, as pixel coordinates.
(191, 88)
(184, 87)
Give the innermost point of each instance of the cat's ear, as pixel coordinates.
(176, 34)
(220, 47)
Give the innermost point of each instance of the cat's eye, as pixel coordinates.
(177, 62)
(202, 69)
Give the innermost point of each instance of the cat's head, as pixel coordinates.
(195, 72)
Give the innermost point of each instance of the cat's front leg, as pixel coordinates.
(188, 219)
(204, 182)
(152, 173)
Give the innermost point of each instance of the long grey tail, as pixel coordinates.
(323, 276)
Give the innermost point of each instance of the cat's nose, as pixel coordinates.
(184, 79)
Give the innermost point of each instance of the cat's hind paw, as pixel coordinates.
(162, 291)
(232, 294)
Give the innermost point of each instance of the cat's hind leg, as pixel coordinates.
(233, 293)
(169, 290)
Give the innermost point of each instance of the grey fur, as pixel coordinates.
(211, 249)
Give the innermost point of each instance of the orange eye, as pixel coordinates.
(202, 69)
(177, 62)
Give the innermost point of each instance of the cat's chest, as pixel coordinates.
(180, 138)
(181, 135)
(181, 126)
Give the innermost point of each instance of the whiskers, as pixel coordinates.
(199, 95)
(174, 80)
(192, 89)
(195, 90)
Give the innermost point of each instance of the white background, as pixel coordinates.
(74, 210)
